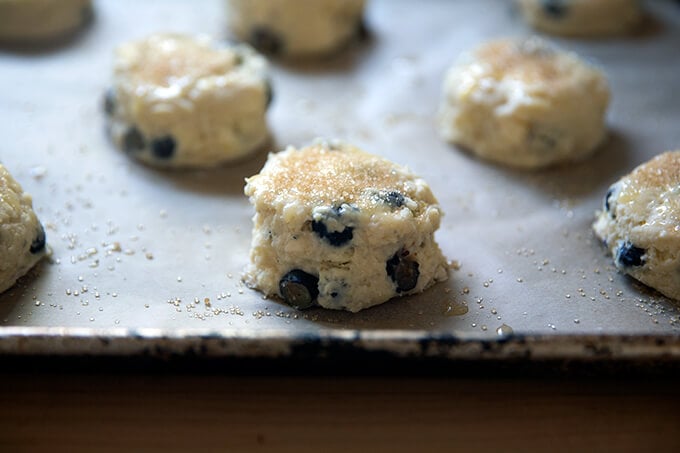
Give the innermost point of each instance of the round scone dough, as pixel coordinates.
(22, 237)
(524, 104)
(36, 20)
(183, 101)
(640, 223)
(340, 228)
(586, 18)
(295, 27)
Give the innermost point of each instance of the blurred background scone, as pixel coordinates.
(295, 28)
(585, 18)
(183, 101)
(523, 103)
(38, 20)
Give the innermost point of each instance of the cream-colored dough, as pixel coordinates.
(587, 18)
(640, 223)
(182, 101)
(22, 238)
(295, 27)
(524, 104)
(355, 228)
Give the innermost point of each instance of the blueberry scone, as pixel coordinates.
(295, 27)
(36, 20)
(582, 17)
(640, 223)
(524, 104)
(340, 228)
(22, 237)
(182, 101)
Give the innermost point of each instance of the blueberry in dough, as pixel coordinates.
(269, 93)
(629, 255)
(266, 40)
(38, 244)
(109, 102)
(393, 199)
(403, 271)
(334, 238)
(163, 147)
(555, 8)
(133, 140)
(363, 32)
(607, 205)
(299, 289)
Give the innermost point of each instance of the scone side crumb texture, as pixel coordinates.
(187, 100)
(359, 225)
(640, 223)
(524, 103)
(295, 28)
(22, 237)
(37, 20)
(585, 18)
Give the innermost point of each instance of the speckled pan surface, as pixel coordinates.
(143, 255)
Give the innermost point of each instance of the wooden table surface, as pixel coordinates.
(141, 411)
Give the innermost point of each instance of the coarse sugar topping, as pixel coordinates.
(325, 174)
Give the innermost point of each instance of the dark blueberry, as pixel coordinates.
(393, 198)
(87, 14)
(335, 238)
(269, 93)
(133, 140)
(403, 271)
(38, 244)
(607, 202)
(163, 147)
(109, 101)
(266, 40)
(336, 289)
(363, 32)
(629, 255)
(299, 289)
(555, 8)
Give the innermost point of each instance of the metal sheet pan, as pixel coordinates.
(145, 258)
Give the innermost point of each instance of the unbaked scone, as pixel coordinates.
(524, 104)
(36, 20)
(640, 223)
(183, 101)
(340, 228)
(582, 17)
(22, 237)
(295, 27)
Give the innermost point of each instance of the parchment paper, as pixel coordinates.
(137, 248)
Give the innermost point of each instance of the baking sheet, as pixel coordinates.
(142, 256)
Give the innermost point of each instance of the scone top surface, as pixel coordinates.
(166, 64)
(324, 174)
(524, 103)
(652, 191)
(533, 62)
